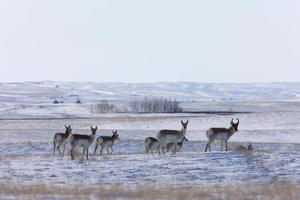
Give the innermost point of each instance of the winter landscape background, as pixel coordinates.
(269, 116)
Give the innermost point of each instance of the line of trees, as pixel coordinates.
(147, 105)
(159, 105)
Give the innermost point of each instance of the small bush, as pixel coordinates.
(103, 108)
(78, 101)
(55, 102)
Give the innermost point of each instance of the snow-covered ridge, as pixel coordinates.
(178, 90)
(35, 99)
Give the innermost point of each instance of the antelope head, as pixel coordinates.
(184, 124)
(249, 146)
(183, 139)
(94, 130)
(235, 125)
(115, 134)
(68, 130)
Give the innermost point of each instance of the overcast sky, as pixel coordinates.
(149, 41)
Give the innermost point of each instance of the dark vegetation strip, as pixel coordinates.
(96, 117)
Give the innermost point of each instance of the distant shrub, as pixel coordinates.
(103, 108)
(55, 101)
(78, 101)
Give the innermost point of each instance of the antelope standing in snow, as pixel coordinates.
(178, 146)
(60, 139)
(151, 144)
(222, 134)
(84, 141)
(171, 136)
(106, 141)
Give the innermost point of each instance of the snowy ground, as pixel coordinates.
(26, 154)
(270, 123)
(131, 167)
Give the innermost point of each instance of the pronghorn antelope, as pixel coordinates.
(152, 144)
(178, 146)
(171, 136)
(82, 140)
(106, 141)
(222, 134)
(60, 139)
(243, 148)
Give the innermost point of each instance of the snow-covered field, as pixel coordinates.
(35, 99)
(269, 119)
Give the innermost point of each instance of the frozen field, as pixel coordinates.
(271, 125)
(129, 166)
(26, 154)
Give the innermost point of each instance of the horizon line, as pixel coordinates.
(153, 82)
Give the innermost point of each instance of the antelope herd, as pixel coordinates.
(165, 140)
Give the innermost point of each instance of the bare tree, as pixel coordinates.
(104, 107)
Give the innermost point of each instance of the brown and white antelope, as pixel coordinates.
(106, 142)
(243, 148)
(60, 140)
(171, 136)
(84, 141)
(178, 146)
(152, 144)
(221, 134)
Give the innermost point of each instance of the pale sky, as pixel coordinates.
(150, 41)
